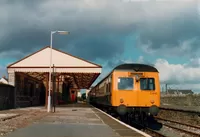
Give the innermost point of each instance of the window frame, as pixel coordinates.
(133, 84)
(154, 84)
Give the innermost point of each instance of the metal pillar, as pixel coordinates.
(54, 89)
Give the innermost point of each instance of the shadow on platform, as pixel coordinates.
(82, 105)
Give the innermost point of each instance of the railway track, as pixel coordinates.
(153, 133)
(149, 131)
(182, 127)
(165, 131)
(168, 127)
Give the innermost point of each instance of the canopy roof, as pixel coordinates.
(37, 64)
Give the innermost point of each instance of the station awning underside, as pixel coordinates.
(81, 79)
(66, 67)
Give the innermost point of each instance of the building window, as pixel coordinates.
(125, 83)
(147, 84)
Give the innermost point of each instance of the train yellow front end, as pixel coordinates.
(131, 90)
(136, 90)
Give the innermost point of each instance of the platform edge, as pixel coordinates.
(144, 134)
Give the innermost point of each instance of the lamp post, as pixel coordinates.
(49, 96)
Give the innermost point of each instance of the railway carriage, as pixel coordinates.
(129, 90)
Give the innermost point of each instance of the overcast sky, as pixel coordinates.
(164, 33)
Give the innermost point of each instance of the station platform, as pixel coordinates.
(77, 120)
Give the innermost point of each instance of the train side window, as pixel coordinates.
(125, 83)
(147, 84)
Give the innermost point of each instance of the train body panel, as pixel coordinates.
(120, 96)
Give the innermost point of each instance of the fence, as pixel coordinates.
(6, 96)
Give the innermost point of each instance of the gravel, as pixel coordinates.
(188, 118)
(193, 119)
(24, 118)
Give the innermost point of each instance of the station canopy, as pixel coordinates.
(82, 72)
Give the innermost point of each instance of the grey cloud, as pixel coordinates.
(108, 67)
(113, 63)
(89, 45)
(103, 48)
(12, 54)
(194, 63)
(92, 35)
(25, 40)
(179, 34)
(98, 28)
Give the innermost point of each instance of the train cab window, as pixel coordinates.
(147, 84)
(125, 83)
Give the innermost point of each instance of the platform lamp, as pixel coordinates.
(49, 96)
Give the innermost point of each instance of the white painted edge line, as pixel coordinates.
(146, 135)
(98, 117)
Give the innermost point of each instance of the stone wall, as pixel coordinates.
(188, 100)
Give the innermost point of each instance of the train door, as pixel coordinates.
(125, 89)
(149, 90)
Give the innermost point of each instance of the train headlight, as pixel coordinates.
(121, 100)
(152, 101)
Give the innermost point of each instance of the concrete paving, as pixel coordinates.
(67, 122)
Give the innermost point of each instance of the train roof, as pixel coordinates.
(131, 67)
(136, 67)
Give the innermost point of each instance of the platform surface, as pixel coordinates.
(74, 121)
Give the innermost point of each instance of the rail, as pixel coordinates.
(150, 131)
(183, 127)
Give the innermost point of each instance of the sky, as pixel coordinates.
(163, 33)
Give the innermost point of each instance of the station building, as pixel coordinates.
(30, 77)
